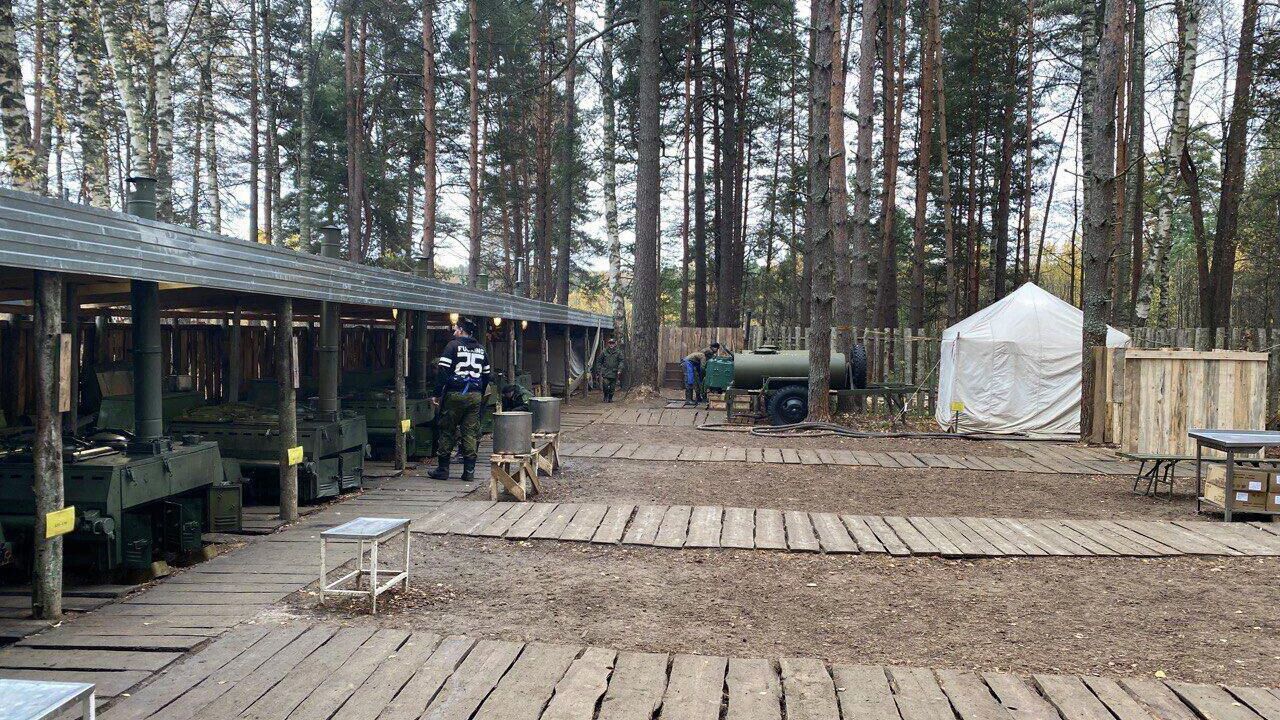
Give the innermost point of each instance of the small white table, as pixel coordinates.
(373, 531)
(40, 699)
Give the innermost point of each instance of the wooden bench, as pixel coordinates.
(1157, 469)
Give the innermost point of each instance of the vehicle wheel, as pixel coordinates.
(858, 366)
(789, 405)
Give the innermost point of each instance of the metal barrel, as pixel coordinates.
(513, 433)
(546, 414)
(750, 369)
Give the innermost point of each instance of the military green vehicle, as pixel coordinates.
(130, 509)
(115, 412)
(333, 450)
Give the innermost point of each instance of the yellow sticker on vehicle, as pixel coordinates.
(293, 455)
(406, 425)
(60, 522)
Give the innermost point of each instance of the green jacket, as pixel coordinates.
(612, 361)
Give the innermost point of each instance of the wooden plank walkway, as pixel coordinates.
(326, 671)
(1037, 460)
(682, 526)
(120, 644)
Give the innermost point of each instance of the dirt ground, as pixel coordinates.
(600, 432)
(1198, 620)
(858, 490)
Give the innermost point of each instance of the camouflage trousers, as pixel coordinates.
(459, 423)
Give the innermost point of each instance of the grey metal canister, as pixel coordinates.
(546, 414)
(512, 433)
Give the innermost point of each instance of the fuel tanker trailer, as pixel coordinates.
(776, 382)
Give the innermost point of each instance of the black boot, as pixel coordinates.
(688, 396)
(468, 469)
(442, 469)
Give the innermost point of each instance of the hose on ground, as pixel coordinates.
(826, 429)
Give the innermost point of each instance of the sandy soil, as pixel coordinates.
(1114, 617)
(660, 435)
(860, 490)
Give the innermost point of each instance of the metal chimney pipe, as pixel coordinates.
(148, 407)
(330, 332)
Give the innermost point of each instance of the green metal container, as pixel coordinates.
(379, 411)
(719, 373)
(225, 507)
(752, 368)
(252, 436)
(125, 504)
(116, 411)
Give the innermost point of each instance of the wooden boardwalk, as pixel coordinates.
(684, 526)
(1056, 462)
(121, 644)
(310, 672)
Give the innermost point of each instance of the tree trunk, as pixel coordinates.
(1136, 154)
(648, 197)
(473, 151)
(699, 173)
(88, 118)
(269, 100)
(1148, 309)
(843, 301)
(948, 229)
(568, 141)
(610, 151)
(818, 208)
(684, 162)
(862, 231)
(46, 446)
(1099, 192)
(1225, 241)
(116, 31)
(1000, 222)
(924, 160)
(255, 92)
(306, 107)
(728, 257)
(20, 151)
(1028, 139)
(210, 130)
(886, 314)
(164, 109)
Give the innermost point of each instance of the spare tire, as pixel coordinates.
(789, 405)
(858, 366)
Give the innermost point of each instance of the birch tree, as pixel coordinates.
(1151, 286)
(20, 151)
(86, 47)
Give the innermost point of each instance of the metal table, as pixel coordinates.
(1231, 442)
(363, 530)
(39, 699)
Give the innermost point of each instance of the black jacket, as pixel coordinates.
(463, 367)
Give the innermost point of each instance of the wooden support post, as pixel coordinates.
(46, 448)
(546, 351)
(234, 354)
(401, 369)
(568, 356)
(287, 408)
(72, 312)
(512, 328)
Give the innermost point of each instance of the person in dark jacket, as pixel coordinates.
(612, 362)
(462, 376)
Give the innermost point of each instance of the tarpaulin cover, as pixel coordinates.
(1015, 366)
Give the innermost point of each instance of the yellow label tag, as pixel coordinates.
(60, 522)
(957, 406)
(293, 455)
(406, 425)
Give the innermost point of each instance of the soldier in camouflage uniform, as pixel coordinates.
(461, 380)
(611, 363)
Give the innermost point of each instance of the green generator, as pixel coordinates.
(116, 412)
(379, 410)
(129, 508)
(333, 450)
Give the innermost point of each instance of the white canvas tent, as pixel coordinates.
(1015, 366)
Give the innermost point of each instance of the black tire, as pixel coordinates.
(858, 367)
(789, 405)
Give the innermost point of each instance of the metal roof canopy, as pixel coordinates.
(39, 233)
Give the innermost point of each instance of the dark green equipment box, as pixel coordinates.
(129, 508)
(116, 412)
(379, 410)
(333, 450)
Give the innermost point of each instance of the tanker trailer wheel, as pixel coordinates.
(789, 405)
(858, 366)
